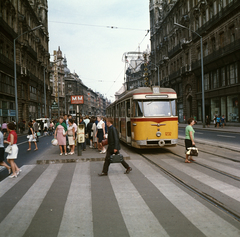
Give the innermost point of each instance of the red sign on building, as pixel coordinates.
(77, 99)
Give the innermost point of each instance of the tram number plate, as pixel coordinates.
(168, 133)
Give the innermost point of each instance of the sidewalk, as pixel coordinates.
(232, 129)
(52, 156)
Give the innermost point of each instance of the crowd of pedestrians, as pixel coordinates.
(66, 133)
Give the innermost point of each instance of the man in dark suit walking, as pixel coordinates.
(113, 148)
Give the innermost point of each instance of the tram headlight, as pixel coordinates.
(158, 134)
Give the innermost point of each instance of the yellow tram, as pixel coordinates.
(146, 117)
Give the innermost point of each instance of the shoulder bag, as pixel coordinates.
(8, 149)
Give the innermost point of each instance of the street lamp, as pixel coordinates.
(202, 71)
(15, 70)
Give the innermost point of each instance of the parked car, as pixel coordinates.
(45, 121)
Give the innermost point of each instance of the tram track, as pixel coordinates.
(207, 166)
(195, 190)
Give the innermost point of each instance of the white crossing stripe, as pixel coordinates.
(138, 218)
(219, 166)
(22, 214)
(77, 217)
(226, 136)
(204, 219)
(222, 187)
(8, 183)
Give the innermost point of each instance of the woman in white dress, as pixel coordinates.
(12, 140)
(71, 136)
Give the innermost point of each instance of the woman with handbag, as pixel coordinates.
(31, 137)
(2, 163)
(100, 134)
(12, 155)
(60, 135)
(189, 138)
(71, 136)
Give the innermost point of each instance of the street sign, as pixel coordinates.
(54, 105)
(76, 99)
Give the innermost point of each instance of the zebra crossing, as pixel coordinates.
(71, 200)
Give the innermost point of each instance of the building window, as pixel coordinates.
(205, 51)
(221, 39)
(223, 106)
(232, 106)
(214, 79)
(223, 76)
(232, 74)
(206, 81)
(213, 44)
(7, 51)
(215, 107)
(33, 93)
(232, 37)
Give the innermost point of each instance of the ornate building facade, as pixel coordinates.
(19, 17)
(66, 84)
(177, 52)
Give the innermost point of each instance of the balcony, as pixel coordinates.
(216, 18)
(175, 75)
(5, 27)
(31, 52)
(175, 50)
(222, 52)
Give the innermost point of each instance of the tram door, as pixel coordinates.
(128, 120)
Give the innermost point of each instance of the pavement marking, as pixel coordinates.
(218, 185)
(220, 166)
(204, 219)
(139, 219)
(23, 212)
(77, 217)
(8, 183)
(226, 136)
(199, 132)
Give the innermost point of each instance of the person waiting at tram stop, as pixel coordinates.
(113, 148)
(189, 138)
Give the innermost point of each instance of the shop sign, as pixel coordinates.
(11, 112)
(77, 99)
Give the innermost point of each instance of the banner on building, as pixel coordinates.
(76, 99)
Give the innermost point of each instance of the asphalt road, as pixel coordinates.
(28, 157)
(213, 136)
(70, 199)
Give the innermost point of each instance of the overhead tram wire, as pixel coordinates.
(111, 27)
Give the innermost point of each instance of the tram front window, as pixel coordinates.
(157, 108)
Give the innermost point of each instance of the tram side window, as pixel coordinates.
(128, 108)
(123, 109)
(174, 110)
(137, 108)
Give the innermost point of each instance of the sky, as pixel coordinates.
(94, 50)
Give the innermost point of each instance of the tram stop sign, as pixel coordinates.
(77, 99)
(54, 105)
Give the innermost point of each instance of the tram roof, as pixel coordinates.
(144, 90)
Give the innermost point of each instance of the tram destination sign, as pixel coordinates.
(77, 99)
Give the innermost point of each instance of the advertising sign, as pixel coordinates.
(77, 99)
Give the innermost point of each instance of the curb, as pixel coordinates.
(57, 161)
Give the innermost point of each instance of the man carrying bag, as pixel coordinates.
(113, 148)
